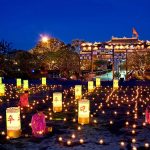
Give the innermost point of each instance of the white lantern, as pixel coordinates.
(44, 81)
(2, 89)
(83, 111)
(18, 83)
(78, 91)
(115, 84)
(13, 122)
(25, 84)
(98, 82)
(57, 102)
(90, 86)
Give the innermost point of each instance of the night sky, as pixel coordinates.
(22, 21)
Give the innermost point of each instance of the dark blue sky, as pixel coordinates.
(22, 21)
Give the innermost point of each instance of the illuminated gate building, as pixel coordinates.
(115, 52)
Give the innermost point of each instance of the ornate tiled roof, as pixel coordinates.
(124, 40)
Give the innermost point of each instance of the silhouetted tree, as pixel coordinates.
(68, 60)
(5, 47)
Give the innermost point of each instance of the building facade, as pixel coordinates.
(115, 51)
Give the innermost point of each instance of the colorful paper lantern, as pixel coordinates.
(78, 91)
(25, 84)
(147, 115)
(57, 102)
(24, 100)
(98, 82)
(13, 122)
(44, 81)
(38, 124)
(115, 84)
(18, 83)
(83, 111)
(90, 86)
(2, 89)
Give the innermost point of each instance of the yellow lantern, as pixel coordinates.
(78, 91)
(25, 84)
(83, 111)
(18, 83)
(44, 81)
(13, 122)
(115, 84)
(98, 82)
(57, 102)
(2, 89)
(1, 80)
(90, 86)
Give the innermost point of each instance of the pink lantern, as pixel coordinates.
(24, 100)
(38, 124)
(147, 115)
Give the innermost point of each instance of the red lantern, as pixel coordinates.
(24, 100)
(147, 115)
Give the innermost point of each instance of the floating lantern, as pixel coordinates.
(83, 111)
(147, 115)
(2, 89)
(25, 84)
(57, 102)
(18, 83)
(13, 122)
(115, 84)
(78, 91)
(90, 86)
(44, 81)
(98, 82)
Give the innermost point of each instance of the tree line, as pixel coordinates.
(52, 55)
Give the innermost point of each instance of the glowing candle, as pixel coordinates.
(90, 86)
(1, 80)
(78, 91)
(44, 81)
(2, 89)
(25, 84)
(83, 111)
(13, 122)
(115, 84)
(98, 82)
(57, 102)
(18, 83)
